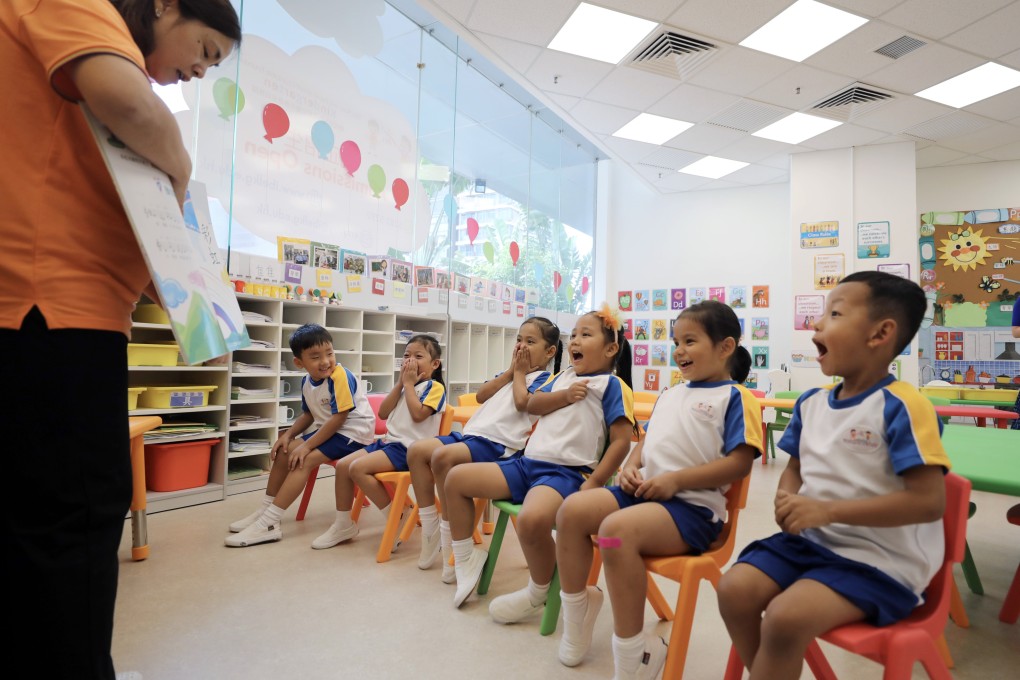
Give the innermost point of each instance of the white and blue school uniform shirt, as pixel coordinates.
(400, 426)
(576, 434)
(336, 393)
(858, 448)
(498, 419)
(696, 423)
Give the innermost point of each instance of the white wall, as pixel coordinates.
(968, 187)
(709, 238)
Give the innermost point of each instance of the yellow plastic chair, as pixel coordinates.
(468, 399)
(646, 397)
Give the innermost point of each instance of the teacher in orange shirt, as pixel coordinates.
(70, 273)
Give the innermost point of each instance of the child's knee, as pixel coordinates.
(420, 452)
(737, 592)
(571, 514)
(443, 460)
(535, 524)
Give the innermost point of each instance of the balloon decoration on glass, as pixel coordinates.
(557, 281)
(450, 206)
(227, 94)
(376, 179)
(489, 251)
(275, 121)
(472, 229)
(400, 192)
(515, 252)
(350, 156)
(322, 138)
(539, 272)
(584, 286)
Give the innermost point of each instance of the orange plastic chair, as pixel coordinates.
(919, 636)
(380, 431)
(1011, 607)
(397, 484)
(468, 399)
(689, 571)
(646, 397)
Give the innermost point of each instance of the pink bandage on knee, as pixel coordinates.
(609, 542)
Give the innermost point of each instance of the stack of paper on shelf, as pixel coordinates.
(262, 344)
(255, 317)
(240, 393)
(171, 430)
(241, 367)
(244, 444)
(247, 420)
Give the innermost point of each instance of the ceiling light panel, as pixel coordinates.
(601, 34)
(976, 84)
(713, 167)
(796, 127)
(803, 28)
(652, 129)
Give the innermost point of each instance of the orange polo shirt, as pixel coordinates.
(65, 242)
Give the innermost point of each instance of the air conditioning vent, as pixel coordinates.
(851, 102)
(673, 54)
(900, 47)
(951, 125)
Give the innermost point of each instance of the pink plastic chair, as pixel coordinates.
(1011, 607)
(918, 637)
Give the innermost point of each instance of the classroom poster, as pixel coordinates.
(760, 356)
(819, 234)
(660, 302)
(642, 329)
(624, 300)
(660, 355)
(651, 380)
(760, 329)
(379, 266)
(659, 330)
(760, 297)
(901, 270)
(738, 297)
(642, 301)
(675, 377)
(806, 309)
(717, 293)
(872, 240)
(180, 251)
(640, 355)
(829, 271)
(628, 329)
(678, 299)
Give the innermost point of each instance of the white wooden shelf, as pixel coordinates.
(233, 455)
(158, 326)
(177, 368)
(268, 400)
(182, 409)
(252, 426)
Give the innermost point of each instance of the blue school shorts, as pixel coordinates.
(523, 474)
(337, 446)
(786, 558)
(395, 451)
(694, 522)
(482, 450)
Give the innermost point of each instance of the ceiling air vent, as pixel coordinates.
(673, 54)
(951, 125)
(900, 47)
(851, 102)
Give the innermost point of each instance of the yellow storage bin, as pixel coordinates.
(150, 314)
(140, 354)
(944, 392)
(182, 396)
(133, 393)
(1003, 396)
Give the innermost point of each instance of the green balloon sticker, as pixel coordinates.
(376, 179)
(226, 93)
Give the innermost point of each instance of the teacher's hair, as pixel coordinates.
(139, 15)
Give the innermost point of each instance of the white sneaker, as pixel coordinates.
(253, 535)
(429, 549)
(335, 534)
(129, 675)
(468, 575)
(514, 607)
(449, 571)
(651, 663)
(242, 524)
(577, 634)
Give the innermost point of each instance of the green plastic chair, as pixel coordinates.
(940, 401)
(782, 420)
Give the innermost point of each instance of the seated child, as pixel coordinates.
(578, 411)
(335, 406)
(498, 430)
(860, 503)
(703, 435)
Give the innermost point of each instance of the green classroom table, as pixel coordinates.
(988, 457)
(1007, 405)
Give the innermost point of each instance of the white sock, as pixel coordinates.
(462, 550)
(445, 535)
(270, 516)
(575, 605)
(627, 652)
(267, 500)
(429, 519)
(343, 518)
(536, 593)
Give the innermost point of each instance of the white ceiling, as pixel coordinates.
(736, 90)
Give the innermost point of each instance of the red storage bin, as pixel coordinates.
(177, 466)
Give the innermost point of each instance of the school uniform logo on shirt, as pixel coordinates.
(862, 439)
(703, 411)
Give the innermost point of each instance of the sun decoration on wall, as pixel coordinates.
(965, 249)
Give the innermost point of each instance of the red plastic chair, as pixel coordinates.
(1011, 607)
(918, 637)
(380, 431)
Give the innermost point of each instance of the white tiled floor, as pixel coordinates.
(198, 610)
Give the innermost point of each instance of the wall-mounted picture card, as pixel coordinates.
(478, 286)
(743, 330)
(829, 271)
(628, 329)
(493, 289)
(531, 296)
(675, 378)
(506, 293)
(425, 277)
(640, 355)
(678, 299)
(696, 295)
(760, 297)
(461, 283)
(902, 270)
(806, 310)
(642, 329)
(353, 262)
(752, 381)
(624, 300)
(659, 330)
(760, 329)
(717, 293)
(443, 279)
(660, 355)
(819, 234)
(642, 301)
(738, 297)
(660, 300)
(401, 271)
(296, 250)
(326, 257)
(520, 295)
(872, 240)
(760, 356)
(651, 380)
(379, 266)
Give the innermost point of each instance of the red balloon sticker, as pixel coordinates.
(515, 252)
(400, 192)
(350, 156)
(276, 122)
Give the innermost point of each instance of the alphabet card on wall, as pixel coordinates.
(697, 295)
(678, 299)
(738, 297)
(642, 329)
(717, 293)
(624, 300)
(760, 356)
(651, 380)
(640, 355)
(660, 302)
(642, 302)
(659, 329)
(660, 355)
(760, 297)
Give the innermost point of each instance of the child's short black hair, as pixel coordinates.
(308, 336)
(893, 297)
